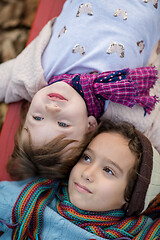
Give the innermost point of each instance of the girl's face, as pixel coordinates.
(57, 109)
(98, 181)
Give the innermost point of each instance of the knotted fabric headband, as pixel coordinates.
(127, 87)
(147, 185)
(137, 202)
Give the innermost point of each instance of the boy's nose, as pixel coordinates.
(53, 107)
(89, 174)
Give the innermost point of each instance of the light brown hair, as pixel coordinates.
(52, 160)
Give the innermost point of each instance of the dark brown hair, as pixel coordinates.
(54, 160)
(128, 131)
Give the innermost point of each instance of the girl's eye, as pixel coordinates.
(62, 124)
(37, 118)
(86, 158)
(108, 170)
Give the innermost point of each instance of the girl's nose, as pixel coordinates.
(52, 107)
(89, 174)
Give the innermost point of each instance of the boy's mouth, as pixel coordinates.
(82, 188)
(56, 97)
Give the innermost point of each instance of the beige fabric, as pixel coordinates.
(149, 125)
(22, 77)
(154, 187)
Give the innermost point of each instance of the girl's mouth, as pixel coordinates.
(56, 97)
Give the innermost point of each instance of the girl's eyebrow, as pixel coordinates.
(89, 150)
(108, 160)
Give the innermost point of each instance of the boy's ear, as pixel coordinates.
(92, 123)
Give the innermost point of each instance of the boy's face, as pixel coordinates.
(98, 181)
(56, 109)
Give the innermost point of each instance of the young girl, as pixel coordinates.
(107, 191)
(124, 35)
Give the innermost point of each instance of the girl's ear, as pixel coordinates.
(92, 123)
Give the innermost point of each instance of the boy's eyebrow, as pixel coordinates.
(116, 165)
(107, 159)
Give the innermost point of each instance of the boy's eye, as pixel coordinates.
(62, 124)
(37, 118)
(108, 170)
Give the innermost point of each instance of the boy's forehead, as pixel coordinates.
(109, 137)
(112, 147)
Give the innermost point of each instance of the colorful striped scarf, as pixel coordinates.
(27, 215)
(111, 224)
(127, 87)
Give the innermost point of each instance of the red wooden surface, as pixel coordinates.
(47, 9)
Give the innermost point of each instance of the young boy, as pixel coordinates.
(63, 47)
(107, 191)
